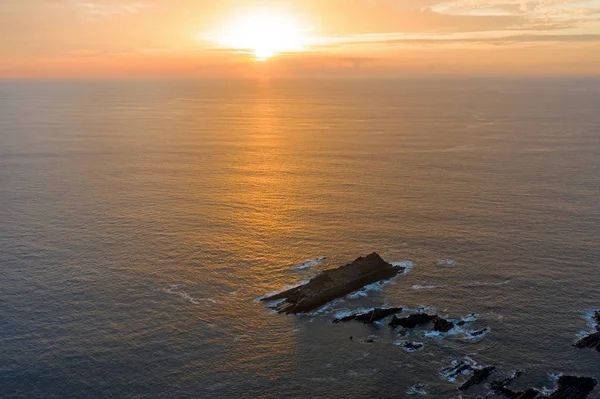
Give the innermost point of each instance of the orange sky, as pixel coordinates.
(365, 38)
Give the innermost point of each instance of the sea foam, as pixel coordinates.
(175, 289)
(309, 263)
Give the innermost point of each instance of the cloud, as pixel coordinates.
(111, 8)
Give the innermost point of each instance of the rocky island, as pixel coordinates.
(334, 283)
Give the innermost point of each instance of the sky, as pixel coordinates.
(330, 38)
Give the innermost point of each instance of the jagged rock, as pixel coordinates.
(591, 341)
(402, 332)
(478, 333)
(442, 325)
(334, 283)
(597, 319)
(412, 321)
(479, 375)
(530, 393)
(371, 316)
(500, 388)
(570, 387)
(411, 346)
(457, 368)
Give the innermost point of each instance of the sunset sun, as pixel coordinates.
(263, 34)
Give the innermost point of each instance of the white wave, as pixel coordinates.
(433, 334)
(446, 262)
(554, 377)
(309, 263)
(471, 318)
(408, 265)
(363, 292)
(349, 312)
(460, 332)
(325, 308)
(175, 289)
(418, 389)
(477, 334)
(590, 317)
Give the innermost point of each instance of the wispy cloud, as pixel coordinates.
(108, 9)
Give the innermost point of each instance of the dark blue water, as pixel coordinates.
(139, 222)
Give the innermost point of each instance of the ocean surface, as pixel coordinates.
(141, 220)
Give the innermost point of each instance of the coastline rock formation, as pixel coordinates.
(371, 316)
(334, 283)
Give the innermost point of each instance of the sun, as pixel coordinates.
(262, 33)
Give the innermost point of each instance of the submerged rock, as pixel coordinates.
(334, 283)
(371, 316)
(479, 376)
(413, 320)
(591, 341)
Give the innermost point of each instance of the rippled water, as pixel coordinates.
(139, 222)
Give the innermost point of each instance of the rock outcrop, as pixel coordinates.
(596, 319)
(442, 325)
(479, 333)
(568, 387)
(420, 319)
(411, 346)
(591, 341)
(479, 376)
(371, 316)
(334, 283)
(457, 368)
(412, 321)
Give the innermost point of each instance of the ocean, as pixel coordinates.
(140, 221)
